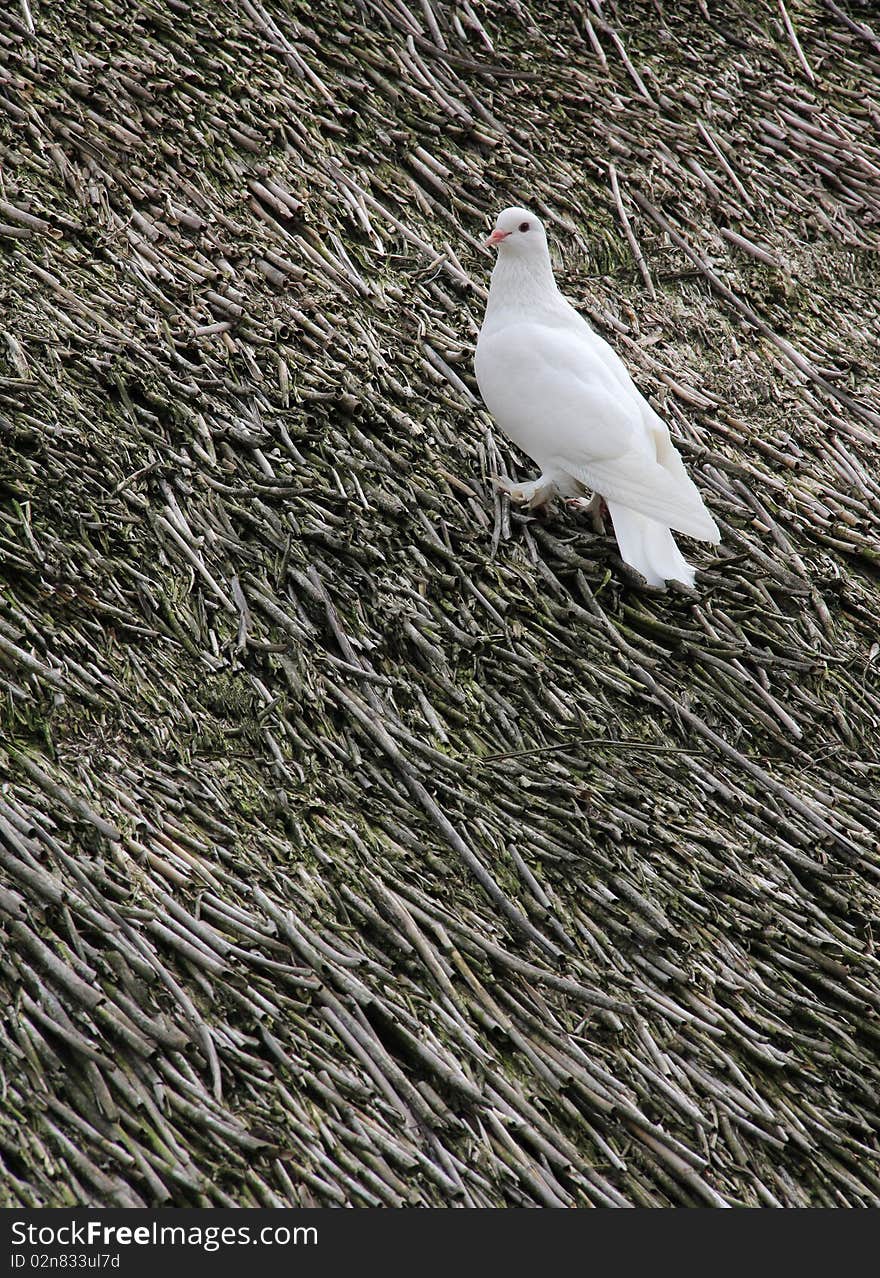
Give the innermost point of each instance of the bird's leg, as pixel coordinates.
(535, 494)
(595, 507)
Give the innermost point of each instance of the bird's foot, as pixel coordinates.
(535, 494)
(593, 506)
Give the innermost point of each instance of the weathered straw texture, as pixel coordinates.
(363, 841)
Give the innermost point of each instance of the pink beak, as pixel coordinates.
(496, 237)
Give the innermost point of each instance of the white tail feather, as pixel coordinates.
(649, 547)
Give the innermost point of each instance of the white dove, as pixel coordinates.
(561, 394)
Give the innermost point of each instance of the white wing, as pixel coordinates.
(639, 482)
(538, 381)
(550, 389)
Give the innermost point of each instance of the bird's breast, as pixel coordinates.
(508, 374)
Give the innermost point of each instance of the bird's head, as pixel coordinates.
(517, 231)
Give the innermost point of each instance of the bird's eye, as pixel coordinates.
(523, 226)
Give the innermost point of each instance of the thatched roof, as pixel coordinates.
(363, 841)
